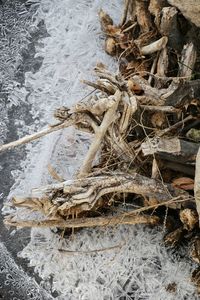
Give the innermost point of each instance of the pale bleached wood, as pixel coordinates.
(155, 46)
(86, 222)
(109, 118)
(37, 135)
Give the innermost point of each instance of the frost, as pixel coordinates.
(16, 282)
(138, 267)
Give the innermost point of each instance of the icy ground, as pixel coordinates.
(131, 262)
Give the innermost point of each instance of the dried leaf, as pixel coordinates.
(189, 218)
(105, 20)
(110, 46)
(158, 119)
(134, 87)
(184, 183)
(113, 31)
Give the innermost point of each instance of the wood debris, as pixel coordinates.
(144, 121)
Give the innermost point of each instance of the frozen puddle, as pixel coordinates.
(131, 262)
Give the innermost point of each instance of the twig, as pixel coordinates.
(130, 27)
(166, 109)
(155, 206)
(66, 251)
(37, 135)
(86, 222)
(178, 124)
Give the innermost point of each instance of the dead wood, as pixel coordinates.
(169, 27)
(35, 136)
(163, 62)
(165, 109)
(76, 196)
(87, 222)
(143, 15)
(188, 60)
(185, 92)
(125, 13)
(185, 168)
(197, 182)
(155, 46)
(109, 117)
(155, 8)
(144, 126)
(172, 149)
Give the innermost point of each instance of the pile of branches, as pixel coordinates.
(144, 122)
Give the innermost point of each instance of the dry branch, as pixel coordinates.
(37, 135)
(109, 117)
(155, 46)
(76, 196)
(87, 222)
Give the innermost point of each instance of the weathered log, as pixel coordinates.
(171, 149)
(125, 12)
(162, 65)
(75, 196)
(190, 9)
(103, 85)
(149, 92)
(165, 109)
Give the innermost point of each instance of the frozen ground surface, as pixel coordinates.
(131, 262)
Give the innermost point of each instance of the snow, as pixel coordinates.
(139, 267)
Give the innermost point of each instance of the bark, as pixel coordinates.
(197, 183)
(190, 9)
(171, 149)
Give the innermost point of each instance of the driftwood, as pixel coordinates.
(76, 196)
